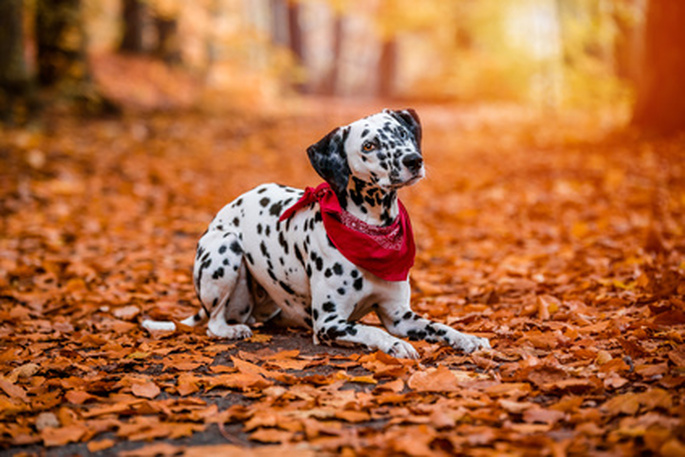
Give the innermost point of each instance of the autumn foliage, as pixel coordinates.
(561, 244)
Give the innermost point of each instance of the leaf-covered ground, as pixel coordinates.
(564, 247)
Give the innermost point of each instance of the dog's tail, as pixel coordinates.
(170, 326)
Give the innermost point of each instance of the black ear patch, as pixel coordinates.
(330, 161)
(409, 119)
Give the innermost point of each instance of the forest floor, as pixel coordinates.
(559, 241)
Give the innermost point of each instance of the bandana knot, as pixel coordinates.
(387, 252)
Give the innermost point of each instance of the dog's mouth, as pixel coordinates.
(397, 182)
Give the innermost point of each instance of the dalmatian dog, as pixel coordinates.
(254, 266)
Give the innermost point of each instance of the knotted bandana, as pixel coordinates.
(387, 252)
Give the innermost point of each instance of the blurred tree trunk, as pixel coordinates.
(628, 43)
(387, 66)
(168, 41)
(329, 82)
(61, 56)
(15, 83)
(61, 42)
(660, 102)
(295, 38)
(133, 22)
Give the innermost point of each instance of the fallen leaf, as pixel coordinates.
(146, 390)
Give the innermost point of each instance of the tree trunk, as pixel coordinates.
(660, 105)
(133, 21)
(61, 56)
(168, 42)
(15, 84)
(387, 65)
(295, 39)
(60, 40)
(329, 82)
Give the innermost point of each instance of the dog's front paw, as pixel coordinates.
(401, 350)
(470, 343)
(229, 332)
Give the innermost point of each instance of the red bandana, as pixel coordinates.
(387, 252)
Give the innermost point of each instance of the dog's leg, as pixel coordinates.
(331, 325)
(403, 322)
(221, 285)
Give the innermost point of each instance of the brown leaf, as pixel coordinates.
(542, 416)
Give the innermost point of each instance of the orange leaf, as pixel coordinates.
(439, 379)
(13, 390)
(146, 390)
(101, 445)
(78, 397)
(271, 435)
(62, 435)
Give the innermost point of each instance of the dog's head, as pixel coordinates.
(383, 150)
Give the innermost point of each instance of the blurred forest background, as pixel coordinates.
(624, 55)
(552, 221)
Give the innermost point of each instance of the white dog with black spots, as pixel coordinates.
(251, 266)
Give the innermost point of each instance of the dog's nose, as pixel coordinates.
(413, 162)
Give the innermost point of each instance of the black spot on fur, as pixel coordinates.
(235, 248)
(315, 314)
(218, 273)
(236, 221)
(407, 315)
(222, 249)
(286, 287)
(264, 201)
(276, 208)
(298, 255)
(265, 251)
(341, 291)
(416, 335)
(329, 307)
(282, 242)
(358, 283)
(337, 269)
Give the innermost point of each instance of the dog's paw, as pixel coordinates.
(401, 350)
(470, 343)
(229, 332)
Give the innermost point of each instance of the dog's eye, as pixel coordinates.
(403, 134)
(368, 146)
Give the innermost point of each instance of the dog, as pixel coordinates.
(323, 258)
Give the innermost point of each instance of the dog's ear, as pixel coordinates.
(409, 119)
(329, 159)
